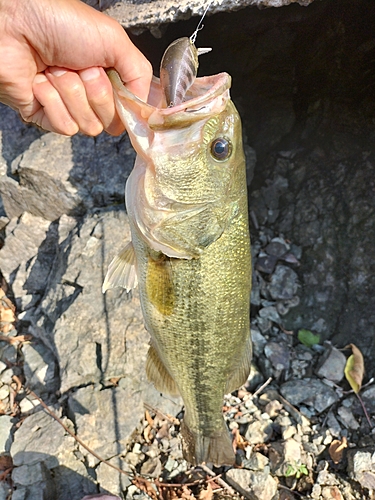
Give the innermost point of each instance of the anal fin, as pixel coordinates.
(158, 374)
(121, 271)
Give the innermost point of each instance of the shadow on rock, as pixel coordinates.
(39, 476)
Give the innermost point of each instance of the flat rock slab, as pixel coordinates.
(147, 13)
(254, 485)
(43, 449)
(310, 392)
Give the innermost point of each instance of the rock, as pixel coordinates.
(333, 425)
(273, 408)
(4, 392)
(29, 405)
(347, 418)
(6, 437)
(145, 14)
(368, 396)
(33, 481)
(361, 467)
(284, 283)
(255, 378)
(270, 313)
(5, 491)
(258, 342)
(110, 479)
(254, 485)
(73, 311)
(26, 475)
(277, 247)
(54, 180)
(331, 365)
(40, 368)
(7, 376)
(326, 478)
(28, 274)
(259, 431)
(278, 354)
(97, 421)
(329, 492)
(257, 461)
(152, 467)
(284, 306)
(266, 263)
(102, 496)
(282, 454)
(311, 392)
(41, 440)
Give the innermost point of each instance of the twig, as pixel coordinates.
(364, 410)
(4, 474)
(214, 477)
(298, 417)
(193, 483)
(77, 438)
(218, 480)
(260, 389)
(161, 415)
(291, 491)
(15, 340)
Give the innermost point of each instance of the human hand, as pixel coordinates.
(51, 65)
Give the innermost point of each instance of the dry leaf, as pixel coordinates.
(186, 493)
(206, 494)
(7, 313)
(5, 462)
(7, 302)
(163, 432)
(148, 434)
(337, 448)
(334, 493)
(15, 340)
(146, 486)
(354, 369)
(238, 441)
(169, 494)
(149, 419)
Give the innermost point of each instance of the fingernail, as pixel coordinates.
(57, 71)
(89, 74)
(40, 78)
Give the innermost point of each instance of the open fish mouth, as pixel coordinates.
(207, 95)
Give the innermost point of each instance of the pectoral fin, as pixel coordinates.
(158, 374)
(121, 271)
(239, 376)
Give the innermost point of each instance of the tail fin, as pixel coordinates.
(216, 448)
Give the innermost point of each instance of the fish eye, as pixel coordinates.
(221, 148)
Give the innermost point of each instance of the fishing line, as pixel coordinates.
(200, 26)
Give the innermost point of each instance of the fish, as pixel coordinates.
(189, 253)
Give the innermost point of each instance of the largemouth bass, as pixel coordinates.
(186, 200)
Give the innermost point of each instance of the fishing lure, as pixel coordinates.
(179, 66)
